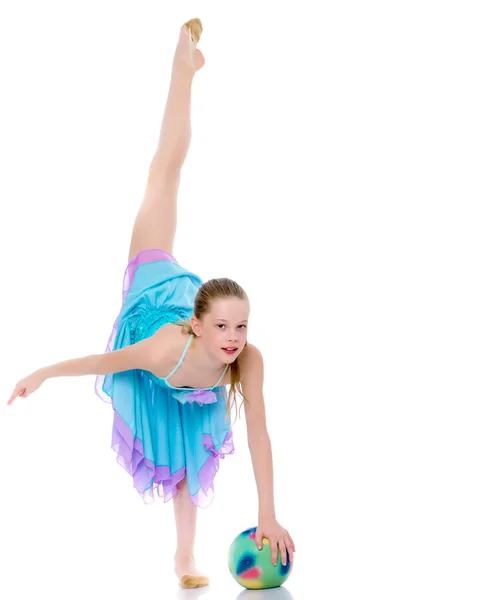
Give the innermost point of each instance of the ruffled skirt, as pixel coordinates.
(158, 439)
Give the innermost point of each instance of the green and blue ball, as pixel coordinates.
(253, 568)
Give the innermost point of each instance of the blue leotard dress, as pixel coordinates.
(160, 432)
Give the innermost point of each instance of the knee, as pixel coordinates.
(164, 172)
(183, 484)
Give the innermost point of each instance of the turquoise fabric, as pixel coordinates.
(177, 428)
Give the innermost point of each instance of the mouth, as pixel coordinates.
(230, 350)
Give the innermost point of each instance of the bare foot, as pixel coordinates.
(187, 573)
(187, 56)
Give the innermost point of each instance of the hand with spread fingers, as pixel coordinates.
(278, 537)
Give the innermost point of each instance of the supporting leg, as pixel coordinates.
(185, 517)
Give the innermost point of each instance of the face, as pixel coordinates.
(224, 327)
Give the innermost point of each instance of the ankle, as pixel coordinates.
(184, 556)
(183, 72)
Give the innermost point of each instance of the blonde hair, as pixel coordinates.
(209, 291)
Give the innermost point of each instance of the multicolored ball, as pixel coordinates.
(253, 568)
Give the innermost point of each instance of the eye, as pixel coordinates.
(243, 326)
(221, 325)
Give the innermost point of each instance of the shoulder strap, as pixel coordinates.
(221, 376)
(181, 358)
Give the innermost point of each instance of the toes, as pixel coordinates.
(193, 581)
(195, 28)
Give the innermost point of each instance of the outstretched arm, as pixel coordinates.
(135, 356)
(259, 443)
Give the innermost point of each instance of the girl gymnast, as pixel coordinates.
(176, 344)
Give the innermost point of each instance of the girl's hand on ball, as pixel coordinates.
(278, 537)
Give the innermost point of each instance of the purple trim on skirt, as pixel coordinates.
(145, 256)
(131, 457)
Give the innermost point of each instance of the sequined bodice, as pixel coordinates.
(145, 323)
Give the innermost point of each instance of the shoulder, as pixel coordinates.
(251, 377)
(251, 364)
(166, 342)
(168, 334)
(250, 356)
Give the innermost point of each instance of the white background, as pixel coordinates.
(333, 173)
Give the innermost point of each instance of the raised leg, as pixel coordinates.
(185, 516)
(155, 223)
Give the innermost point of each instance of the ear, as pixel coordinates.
(195, 325)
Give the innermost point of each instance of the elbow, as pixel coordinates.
(103, 364)
(258, 437)
(94, 365)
